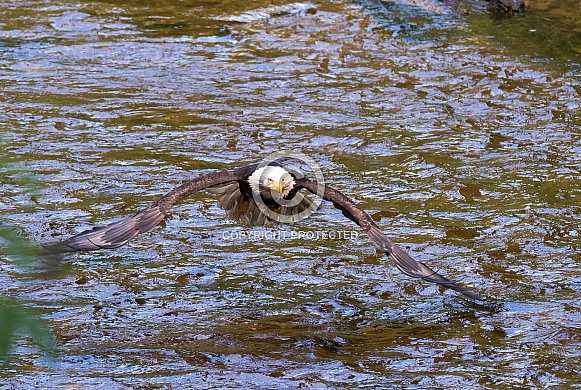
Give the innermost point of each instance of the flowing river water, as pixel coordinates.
(461, 135)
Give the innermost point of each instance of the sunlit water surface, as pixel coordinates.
(465, 152)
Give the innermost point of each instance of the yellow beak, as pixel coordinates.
(280, 187)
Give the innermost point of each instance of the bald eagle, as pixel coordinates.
(256, 194)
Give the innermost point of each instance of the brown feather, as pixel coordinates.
(404, 262)
(118, 233)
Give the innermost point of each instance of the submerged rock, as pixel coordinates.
(506, 7)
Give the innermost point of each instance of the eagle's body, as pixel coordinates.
(255, 194)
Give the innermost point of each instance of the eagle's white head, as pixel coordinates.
(269, 178)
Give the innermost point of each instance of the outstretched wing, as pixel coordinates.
(118, 233)
(404, 262)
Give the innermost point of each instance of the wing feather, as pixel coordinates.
(404, 262)
(118, 233)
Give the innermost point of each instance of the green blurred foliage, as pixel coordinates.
(15, 318)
